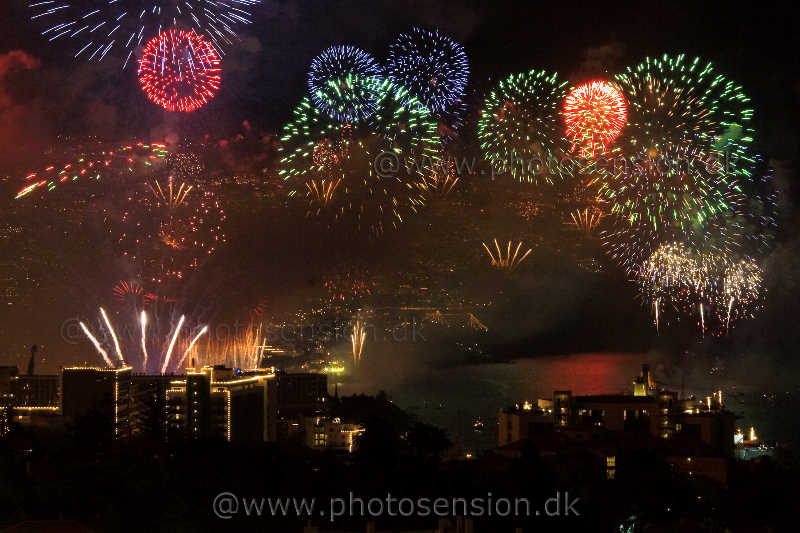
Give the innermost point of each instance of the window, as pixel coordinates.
(611, 466)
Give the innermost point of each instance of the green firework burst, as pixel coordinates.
(520, 126)
(366, 175)
(675, 99)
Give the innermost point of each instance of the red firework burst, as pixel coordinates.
(595, 114)
(179, 70)
(123, 290)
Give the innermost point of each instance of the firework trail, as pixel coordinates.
(131, 343)
(191, 345)
(357, 339)
(96, 343)
(113, 335)
(172, 345)
(143, 322)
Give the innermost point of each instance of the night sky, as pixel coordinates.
(265, 74)
(44, 93)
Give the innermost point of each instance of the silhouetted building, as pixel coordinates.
(148, 417)
(36, 391)
(93, 391)
(299, 396)
(6, 373)
(301, 393)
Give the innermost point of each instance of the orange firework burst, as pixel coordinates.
(594, 113)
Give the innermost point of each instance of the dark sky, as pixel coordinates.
(265, 75)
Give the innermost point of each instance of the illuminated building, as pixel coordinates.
(321, 432)
(216, 403)
(35, 399)
(88, 391)
(28, 399)
(516, 423)
(643, 385)
(658, 415)
(5, 415)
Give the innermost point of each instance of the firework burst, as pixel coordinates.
(442, 177)
(350, 286)
(334, 168)
(169, 229)
(179, 71)
(508, 260)
(168, 195)
(594, 114)
(676, 99)
(433, 67)
(519, 127)
(713, 288)
(585, 221)
(678, 193)
(344, 83)
(98, 27)
(743, 290)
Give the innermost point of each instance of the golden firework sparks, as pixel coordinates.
(322, 190)
(169, 195)
(507, 261)
(585, 221)
(357, 339)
